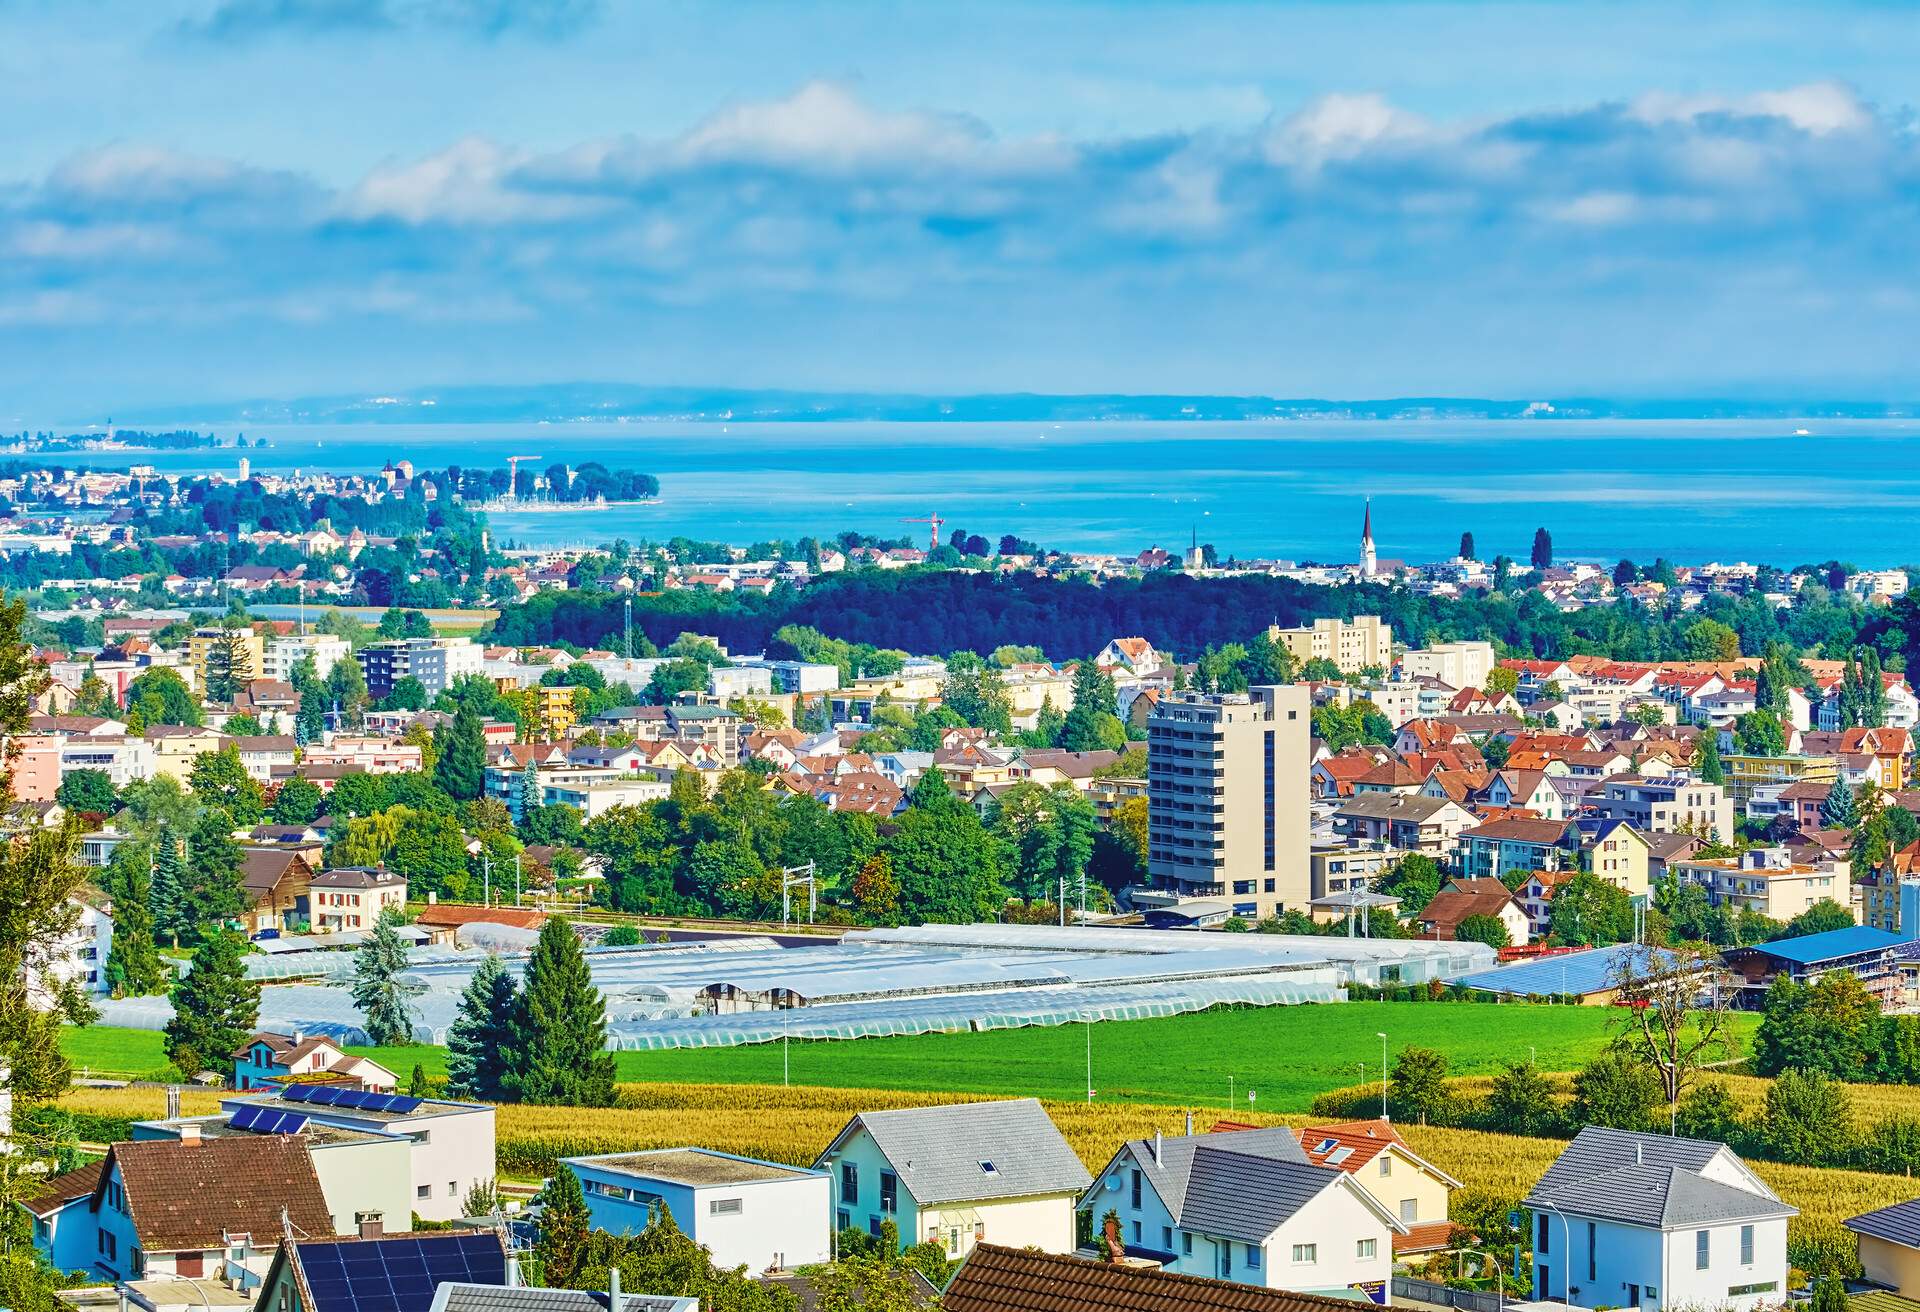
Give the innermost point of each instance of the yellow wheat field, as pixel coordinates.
(793, 1125)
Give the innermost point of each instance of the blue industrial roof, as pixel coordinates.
(1833, 943)
(1592, 971)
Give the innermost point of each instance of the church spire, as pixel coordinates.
(1367, 563)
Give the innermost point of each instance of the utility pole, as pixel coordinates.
(627, 637)
(791, 878)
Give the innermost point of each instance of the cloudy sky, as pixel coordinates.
(221, 199)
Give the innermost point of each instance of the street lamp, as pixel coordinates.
(1499, 1277)
(1382, 1036)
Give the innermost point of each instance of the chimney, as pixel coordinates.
(1156, 1147)
(1189, 1124)
(613, 1289)
(173, 1102)
(299, 1037)
(370, 1224)
(1639, 1154)
(513, 1273)
(190, 1132)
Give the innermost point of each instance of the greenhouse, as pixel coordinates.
(751, 989)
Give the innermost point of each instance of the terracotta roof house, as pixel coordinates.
(1375, 1155)
(1448, 909)
(276, 882)
(269, 1059)
(997, 1279)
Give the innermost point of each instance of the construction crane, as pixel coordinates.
(935, 522)
(513, 475)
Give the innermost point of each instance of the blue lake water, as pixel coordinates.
(1689, 490)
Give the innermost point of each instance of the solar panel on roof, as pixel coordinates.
(247, 1117)
(325, 1094)
(352, 1098)
(398, 1274)
(402, 1104)
(376, 1102)
(297, 1092)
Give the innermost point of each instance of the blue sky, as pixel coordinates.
(233, 198)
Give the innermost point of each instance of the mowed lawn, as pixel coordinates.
(1285, 1055)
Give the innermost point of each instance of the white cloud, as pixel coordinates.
(1337, 127)
(1818, 108)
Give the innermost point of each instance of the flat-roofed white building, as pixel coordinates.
(760, 1215)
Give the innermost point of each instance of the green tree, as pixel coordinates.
(563, 1228)
(948, 866)
(1825, 1027)
(1093, 696)
(1466, 546)
(134, 966)
(298, 801)
(220, 779)
(1820, 918)
(1706, 760)
(377, 966)
(462, 766)
(481, 1036)
(1615, 1091)
(1588, 912)
(1829, 1295)
(1418, 1088)
(215, 1006)
(166, 892)
(229, 663)
(1759, 733)
(1490, 930)
(87, 790)
(976, 693)
(242, 726)
(211, 891)
(407, 694)
(1522, 1101)
(1837, 812)
(159, 695)
(1709, 1111)
(1809, 1120)
(1668, 1022)
(1542, 549)
(1414, 879)
(560, 1027)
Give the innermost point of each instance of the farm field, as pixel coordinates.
(794, 1124)
(1285, 1055)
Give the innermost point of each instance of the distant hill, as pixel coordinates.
(561, 403)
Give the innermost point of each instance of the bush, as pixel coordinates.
(1809, 1120)
(1892, 1145)
(1615, 1092)
(1709, 1112)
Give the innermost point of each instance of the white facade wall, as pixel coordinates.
(758, 1224)
(366, 1177)
(283, 655)
(1614, 1265)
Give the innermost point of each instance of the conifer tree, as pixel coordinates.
(560, 1027)
(1093, 697)
(134, 967)
(166, 887)
(1706, 761)
(377, 967)
(1838, 811)
(563, 1227)
(478, 1041)
(211, 891)
(215, 1007)
(462, 765)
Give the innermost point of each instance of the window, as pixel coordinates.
(1166, 1237)
(1267, 886)
(1306, 1253)
(1540, 1244)
(849, 1184)
(1409, 1210)
(889, 1192)
(1386, 1164)
(1735, 1291)
(453, 1189)
(1701, 1241)
(1746, 1245)
(1136, 1229)
(1591, 1255)
(423, 1191)
(842, 1219)
(988, 1168)
(724, 1207)
(1253, 1257)
(1186, 1243)
(1134, 1190)
(109, 1246)
(873, 1226)
(1366, 1247)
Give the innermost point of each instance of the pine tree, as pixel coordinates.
(1093, 696)
(1466, 546)
(211, 892)
(478, 1041)
(215, 1007)
(1837, 812)
(560, 1027)
(1873, 690)
(462, 767)
(563, 1227)
(376, 984)
(1542, 549)
(1706, 761)
(166, 888)
(134, 967)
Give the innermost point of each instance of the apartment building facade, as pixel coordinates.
(1227, 797)
(1352, 645)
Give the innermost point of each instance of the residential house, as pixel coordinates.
(1001, 1279)
(1338, 870)
(270, 1059)
(450, 1144)
(1413, 1188)
(1651, 1221)
(1769, 880)
(275, 882)
(352, 897)
(1615, 851)
(1668, 804)
(266, 756)
(1889, 1243)
(1666, 848)
(61, 1208)
(80, 956)
(746, 1212)
(958, 1175)
(1746, 773)
(1517, 843)
(197, 1207)
(176, 747)
(404, 1272)
(1536, 899)
(1428, 825)
(1460, 899)
(1134, 655)
(1246, 1206)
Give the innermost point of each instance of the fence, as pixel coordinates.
(1425, 1291)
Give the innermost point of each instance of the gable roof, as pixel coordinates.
(1364, 1141)
(1898, 1224)
(192, 1195)
(1651, 1180)
(399, 1272)
(1247, 1197)
(57, 1191)
(1171, 1170)
(940, 1153)
(996, 1279)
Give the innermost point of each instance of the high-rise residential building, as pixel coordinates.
(1227, 798)
(1456, 664)
(436, 662)
(1352, 645)
(284, 654)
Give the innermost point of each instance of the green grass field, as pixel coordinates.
(1287, 1055)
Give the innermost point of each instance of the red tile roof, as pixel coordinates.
(996, 1279)
(192, 1195)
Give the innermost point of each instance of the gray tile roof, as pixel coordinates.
(1169, 1176)
(1247, 1197)
(1899, 1224)
(519, 1298)
(938, 1152)
(1649, 1180)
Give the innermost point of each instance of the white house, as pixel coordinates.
(1247, 1206)
(80, 957)
(967, 1173)
(760, 1215)
(1647, 1221)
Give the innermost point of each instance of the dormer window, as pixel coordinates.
(988, 1168)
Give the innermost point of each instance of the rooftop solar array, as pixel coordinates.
(333, 1095)
(267, 1120)
(397, 1274)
